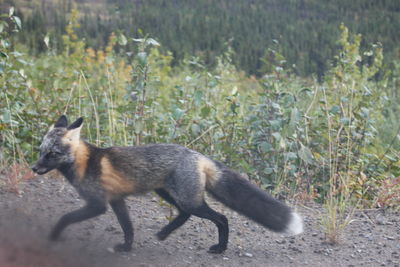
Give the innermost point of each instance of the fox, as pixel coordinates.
(179, 175)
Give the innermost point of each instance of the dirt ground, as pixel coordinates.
(372, 238)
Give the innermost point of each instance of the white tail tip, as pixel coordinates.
(295, 225)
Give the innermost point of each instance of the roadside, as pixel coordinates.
(372, 239)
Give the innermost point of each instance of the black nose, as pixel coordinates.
(34, 168)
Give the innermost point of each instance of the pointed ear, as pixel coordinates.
(74, 130)
(76, 124)
(61, 122)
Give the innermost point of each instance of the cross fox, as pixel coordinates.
(177, 174)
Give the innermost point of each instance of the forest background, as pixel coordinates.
(300, 95)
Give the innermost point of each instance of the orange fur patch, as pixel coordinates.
(113, 181)
(81, 155)
(81, 159)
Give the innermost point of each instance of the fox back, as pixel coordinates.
(120, 171)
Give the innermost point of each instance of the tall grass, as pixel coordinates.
(348, 100)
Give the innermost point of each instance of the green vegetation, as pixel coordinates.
(334, 141)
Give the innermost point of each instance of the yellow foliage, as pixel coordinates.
(112, 40)
(71, 40)
(100, 56)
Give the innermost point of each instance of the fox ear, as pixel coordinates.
(74, 130)
(61, 122)
(76, 124)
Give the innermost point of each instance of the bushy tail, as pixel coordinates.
(242, 196)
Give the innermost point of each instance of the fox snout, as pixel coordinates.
(39, 169)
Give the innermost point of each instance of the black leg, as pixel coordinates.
(121, 211)
(204, 211)
(167, 197)
(175, 223)
(89, 211)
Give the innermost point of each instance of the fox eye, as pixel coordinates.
(53, 154)
(50, 155)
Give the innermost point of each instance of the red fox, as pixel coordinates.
(177, 174)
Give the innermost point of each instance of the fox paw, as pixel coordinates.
(124, 247)
(216, 249)
(161, 235)
(54, 236)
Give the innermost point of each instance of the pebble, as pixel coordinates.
(380, 220)
(110, 228)
(249, 255)
(296, 249)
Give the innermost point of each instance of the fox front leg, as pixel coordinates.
(121, 211)
(92, 209)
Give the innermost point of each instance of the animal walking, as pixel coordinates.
(179, 175)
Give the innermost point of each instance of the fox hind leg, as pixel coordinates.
(204, 211)
(185, 187)
(121, 211)
(175, 223)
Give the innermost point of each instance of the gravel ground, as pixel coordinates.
(372, 238)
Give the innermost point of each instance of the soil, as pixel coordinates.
(371, 239)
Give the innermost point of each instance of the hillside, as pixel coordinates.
(302, 31)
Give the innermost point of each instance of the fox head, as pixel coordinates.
(57, 146)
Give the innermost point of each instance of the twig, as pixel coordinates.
(195, 140)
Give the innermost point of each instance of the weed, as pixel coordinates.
(389, 194)
(347, 107)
